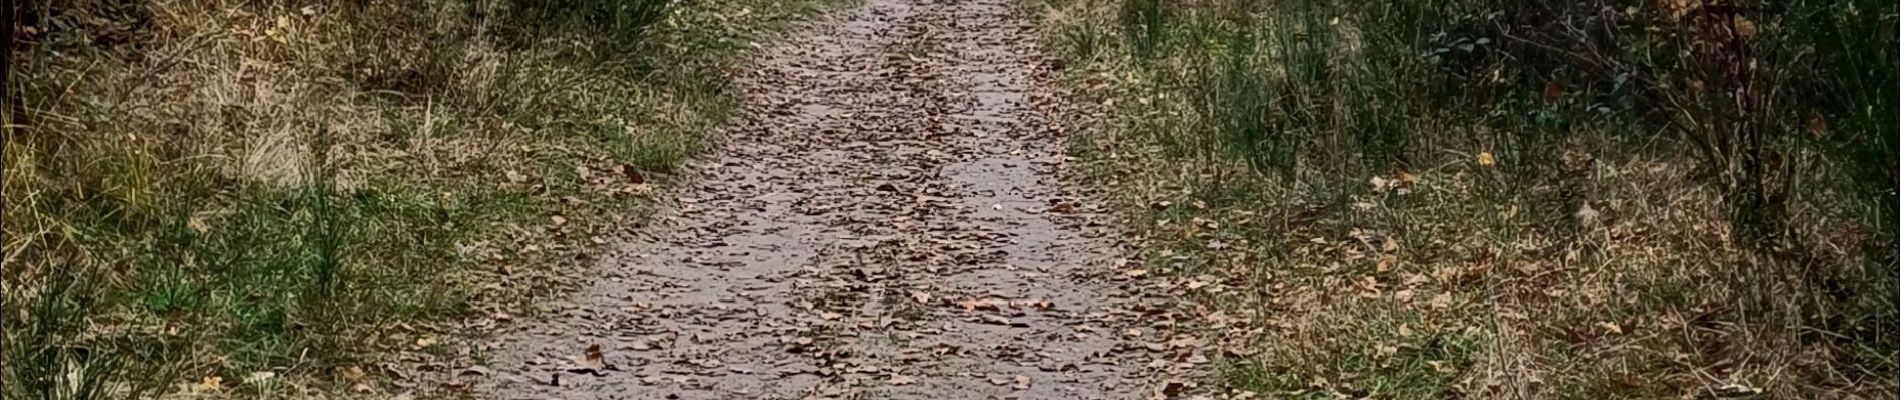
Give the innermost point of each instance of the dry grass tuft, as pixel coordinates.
(289, 199)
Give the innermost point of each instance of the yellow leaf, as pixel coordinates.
(197, 223)
(1485, 159)
(211, 384)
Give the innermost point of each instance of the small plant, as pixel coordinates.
(1084, 40)
(1250, 119)
(1145, 26)
(627, 21)
(46, 356)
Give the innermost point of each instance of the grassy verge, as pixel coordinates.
(1454, 199)
(288, 198)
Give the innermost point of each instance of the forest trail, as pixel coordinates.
(884, 222)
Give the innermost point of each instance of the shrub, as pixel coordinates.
(1717, 174)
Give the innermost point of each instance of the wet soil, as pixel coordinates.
(884, 222)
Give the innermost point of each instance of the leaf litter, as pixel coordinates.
(887, 220)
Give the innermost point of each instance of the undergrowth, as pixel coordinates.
(1465, 199)
(267, 199)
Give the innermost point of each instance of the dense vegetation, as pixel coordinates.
(293, 198)
(1511, 199)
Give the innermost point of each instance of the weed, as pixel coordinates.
(204, 192)
(1540, 200)
(1145, 26)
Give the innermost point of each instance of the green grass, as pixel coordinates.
(1556, 229)
(264, 195)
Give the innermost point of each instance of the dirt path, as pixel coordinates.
(885, 222)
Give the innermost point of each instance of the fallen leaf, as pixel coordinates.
(901, 380)
(633, 174)
(592, 361)
(979, 305)
(1403, 296)
(1170, 389)
(197, 224)
(211, 384)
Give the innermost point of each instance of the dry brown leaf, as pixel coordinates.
(592, 361)
(901, 380)
(1402, 296)
(210, 384)
(633, 174)
(984, 304)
